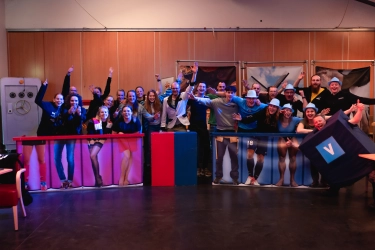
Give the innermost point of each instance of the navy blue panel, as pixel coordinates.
(185, 150)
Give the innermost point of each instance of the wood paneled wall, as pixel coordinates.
(137, 56)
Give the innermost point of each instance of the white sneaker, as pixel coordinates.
(248, 181)
(256, 183)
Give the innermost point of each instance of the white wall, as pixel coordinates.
(3, 43)
(190, 14)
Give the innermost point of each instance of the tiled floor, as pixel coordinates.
(199, 217)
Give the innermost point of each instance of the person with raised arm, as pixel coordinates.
(99, 96)
(289, 97)
(315, 93)
(343, 99)
(67, 89)
(174, 116)
(224, 108)
(49, 124)
(168, 90)
(198, 124)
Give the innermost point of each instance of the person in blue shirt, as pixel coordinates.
(265, 121)
(73, 116)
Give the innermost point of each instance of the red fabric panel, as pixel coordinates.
(162, 159)
(8, 195)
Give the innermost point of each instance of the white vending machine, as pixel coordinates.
(19, 113)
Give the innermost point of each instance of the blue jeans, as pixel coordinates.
(58, 148)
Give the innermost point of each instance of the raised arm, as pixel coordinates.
(283, 86)
(245, 84)
(304, 101)
(194, 68)
(160, 87)
(66, 85)
(107, 89)
(358, 116)
(189, 89)
(354, 98)
(299, 78)
(41, 93)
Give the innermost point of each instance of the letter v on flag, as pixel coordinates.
(330, 150)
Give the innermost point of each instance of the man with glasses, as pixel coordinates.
(289, 97)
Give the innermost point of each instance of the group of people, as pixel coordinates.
(276, 112)
(65, 115)
(134, 112)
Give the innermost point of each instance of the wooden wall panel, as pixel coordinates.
(254, 46)
(361, 46)
(329, 46)
(291, 46)
(62, 49)
(26, 54)
(99, 53)
(39, 56)
(173, 46)
(136, 60)
(214, 46)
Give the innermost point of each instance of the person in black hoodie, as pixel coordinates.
(48, 126)
(342, 99)
(72, 118)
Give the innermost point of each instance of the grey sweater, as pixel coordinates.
(223, 111)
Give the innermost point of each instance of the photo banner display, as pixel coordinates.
(273, 76)
(270, 173)
(211, 75)
(111, 160)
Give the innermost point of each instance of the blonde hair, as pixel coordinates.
(98, 113)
